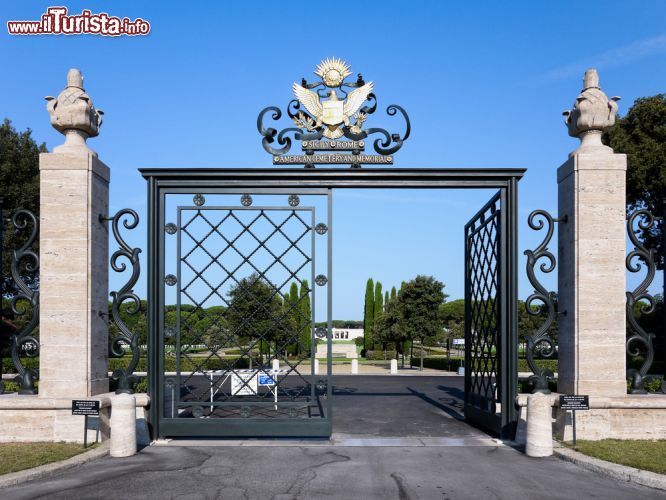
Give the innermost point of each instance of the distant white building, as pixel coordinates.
(347, 333)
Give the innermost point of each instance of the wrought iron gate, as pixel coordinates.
(490, 318)
(237, 337)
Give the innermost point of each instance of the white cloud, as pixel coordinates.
(619, 56)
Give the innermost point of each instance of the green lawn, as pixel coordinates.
(645, 455)
(19, 456)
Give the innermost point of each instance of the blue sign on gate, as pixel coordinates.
(266, 379)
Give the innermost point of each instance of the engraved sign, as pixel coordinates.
(333, 159)
(85, 407)
(574, 402)
(333, 145)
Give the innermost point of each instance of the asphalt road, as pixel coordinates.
(379, 415)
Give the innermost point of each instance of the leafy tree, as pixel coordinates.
(641, 135)
(255, 311)
(368, 314)
(19, 186)
(420, 300)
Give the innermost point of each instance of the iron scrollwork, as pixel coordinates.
(389, 144)
(541, 341)
(640, 341)
(332, 108)
(125, 376)
(24, 343)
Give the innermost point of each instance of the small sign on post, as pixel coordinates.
(574, 402)
(85, 407)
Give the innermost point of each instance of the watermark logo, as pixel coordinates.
(57, 21)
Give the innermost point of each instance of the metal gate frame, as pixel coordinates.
(162, 181)
(482, 393)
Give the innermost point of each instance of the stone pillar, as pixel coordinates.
(354, 367)
(74, 192)
(123, 426)
(539, 439)
(591, 248)
(394, 367)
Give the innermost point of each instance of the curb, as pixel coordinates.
(616, 471)
(23, 476)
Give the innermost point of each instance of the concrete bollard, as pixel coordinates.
(354, 366)
(276, 364)
(539, 426)
(316, 366)
(123, 426)
(394, 366)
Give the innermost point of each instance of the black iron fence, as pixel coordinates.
(643, 308)
(19, 312)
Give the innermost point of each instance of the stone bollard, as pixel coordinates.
(394, 366)
(539, 426)
(276, 364)
(316, 366)
(354, 366)
(123, 425)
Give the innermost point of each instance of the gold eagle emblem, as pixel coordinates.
(333, 112)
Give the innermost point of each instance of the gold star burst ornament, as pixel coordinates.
(332, 112)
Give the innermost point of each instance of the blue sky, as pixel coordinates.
(485, 84)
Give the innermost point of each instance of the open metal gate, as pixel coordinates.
(490, 317)
(236, 327)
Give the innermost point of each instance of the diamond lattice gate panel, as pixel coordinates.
(238, 316)
(490, 346)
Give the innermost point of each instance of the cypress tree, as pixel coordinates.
(368, 314)
(305, 317)
(294, 315)
(386, 298)
(379, 300)
(394, 294)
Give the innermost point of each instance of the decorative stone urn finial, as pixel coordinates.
(593, 113)
(73, 114)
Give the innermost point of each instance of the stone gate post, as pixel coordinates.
(591, 247)
(74, 192)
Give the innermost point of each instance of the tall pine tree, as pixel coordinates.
(368, 314)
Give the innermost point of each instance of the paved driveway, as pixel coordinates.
(395, 437)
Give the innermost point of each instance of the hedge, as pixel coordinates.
(549, 364)
(438, 363)
(379, 355)
(186, 364)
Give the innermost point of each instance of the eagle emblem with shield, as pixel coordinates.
(333, 112)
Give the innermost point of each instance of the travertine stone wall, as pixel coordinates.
(592, 276)
(74, 275)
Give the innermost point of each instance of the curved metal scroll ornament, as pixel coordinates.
(23, 342)
(541, 339)
(640, 341)
(125, 376)
(386, 145)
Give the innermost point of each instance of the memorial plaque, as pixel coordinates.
(333, 159)
(333, 145)
(85, 407)
(574, 402)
